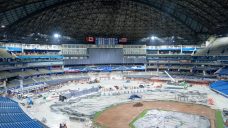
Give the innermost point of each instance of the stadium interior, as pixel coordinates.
(114, 64)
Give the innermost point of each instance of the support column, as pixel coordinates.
(21, 84)
(181, 50)
(22, 48)
(4, 85)
(145, 65)
(204, 72)
(63, 67)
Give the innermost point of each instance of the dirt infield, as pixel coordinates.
(121, 116)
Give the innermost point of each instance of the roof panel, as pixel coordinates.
(199, 16)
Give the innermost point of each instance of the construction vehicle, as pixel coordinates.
(175, 84)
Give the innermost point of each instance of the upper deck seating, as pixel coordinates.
(222, 71)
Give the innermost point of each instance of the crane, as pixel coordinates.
(172, 79)
(183, 84)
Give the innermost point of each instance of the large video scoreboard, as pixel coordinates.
(106, 41)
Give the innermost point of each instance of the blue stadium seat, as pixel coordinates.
(12, 116)
(221, 87)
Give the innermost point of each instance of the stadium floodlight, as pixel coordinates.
(153, 37)
(56, 35)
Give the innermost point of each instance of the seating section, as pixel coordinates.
(56, 71)
(28, 81)
(226, 51)
(13, 83)
(221, 87)
(50, 80)
(5, 74)
(26, 124)
(28, 72)
(213, 50)
(4, 54)
(44, 71)
(40, 79)
(222, 71)
(12, 116)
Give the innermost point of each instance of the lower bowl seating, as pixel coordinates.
(12, 116)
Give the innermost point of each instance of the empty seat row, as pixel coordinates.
(14, 117)
(10, 110)
(8, 104)
(6, 100)
(25, 124)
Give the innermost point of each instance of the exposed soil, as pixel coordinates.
(121, 116)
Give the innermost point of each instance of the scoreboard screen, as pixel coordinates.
(106, 41)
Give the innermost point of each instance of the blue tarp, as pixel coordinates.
(132, 97)
(106, 69)
(78, 93)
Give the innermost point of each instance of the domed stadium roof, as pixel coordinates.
(192, 20)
